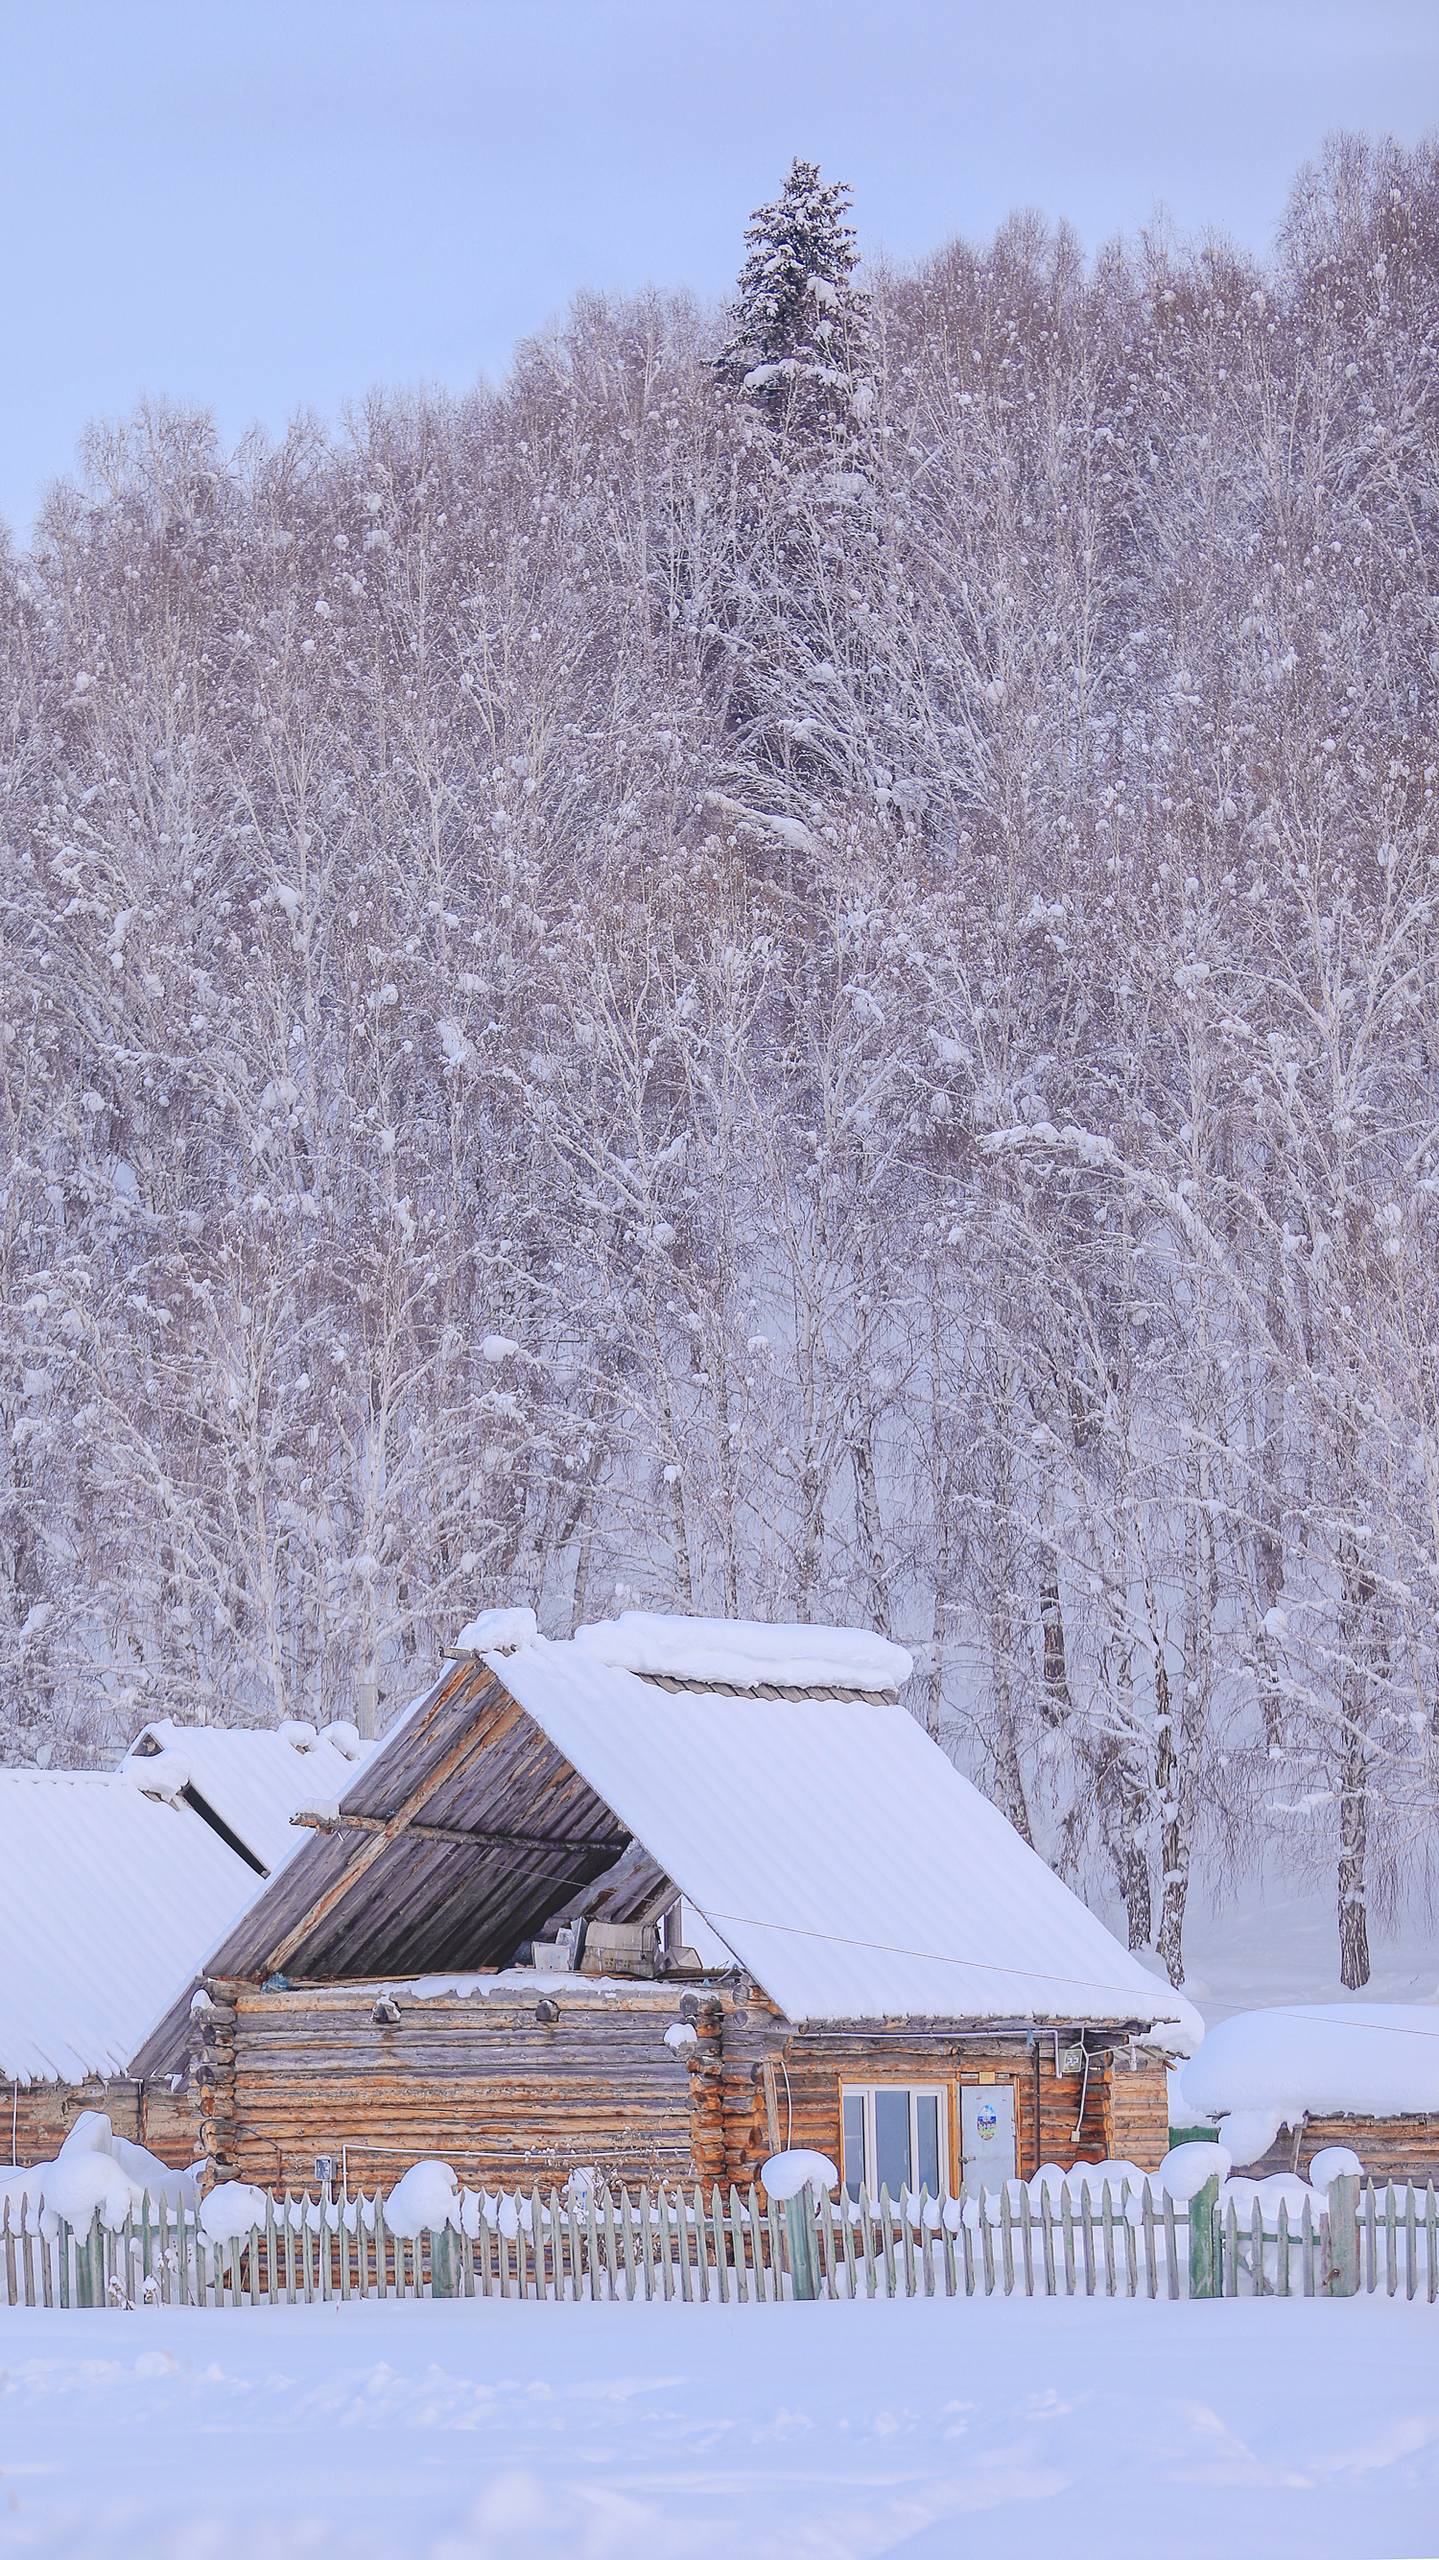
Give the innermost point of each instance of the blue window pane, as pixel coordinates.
(853, 2145)
(926, 2119)
(891, 2139)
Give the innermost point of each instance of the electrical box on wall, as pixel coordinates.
(1071, 2060)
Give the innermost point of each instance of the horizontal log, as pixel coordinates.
(566, 1842)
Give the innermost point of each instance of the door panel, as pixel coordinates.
(987, 2133)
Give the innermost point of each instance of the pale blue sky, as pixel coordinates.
(259, 204)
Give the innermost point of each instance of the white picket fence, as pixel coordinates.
(599, 2243)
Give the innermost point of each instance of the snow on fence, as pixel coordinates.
(600, 2243)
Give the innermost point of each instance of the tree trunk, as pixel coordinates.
(1054, 1657)
(1127, 1803)
(1353, 1850)
(1009, 1792)
(1173, 1847)
(871, 1533)
(1124, 1814)
(1357, 1584)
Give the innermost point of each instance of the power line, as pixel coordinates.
(1072, 1981)
(924, 1955)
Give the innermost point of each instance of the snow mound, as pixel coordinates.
(1249, 2132)
(151, 2177)
(159, 1773)
(744, 1653)
(1335, 2162)
(498, 1631)
(1190, 2166)
(1094, 2177)
(1268, 2194)
(233, 2210)
(788, 2173)
(427, 2198)
(1361, 2058)
(95, 2171)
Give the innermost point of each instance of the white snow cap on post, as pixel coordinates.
(232, 2210)
(1336, 2162)
(788, 2173)
(427, 2198)
(1190, 2166)
(746, 1653)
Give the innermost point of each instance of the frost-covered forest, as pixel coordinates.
(785, 966)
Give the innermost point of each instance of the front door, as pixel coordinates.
(986, 2133)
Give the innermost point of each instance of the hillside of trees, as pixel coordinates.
(786, 965)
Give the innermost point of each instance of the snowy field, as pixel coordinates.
(477, 2431)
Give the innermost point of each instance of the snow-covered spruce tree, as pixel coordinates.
(799, 338)
(804, 577)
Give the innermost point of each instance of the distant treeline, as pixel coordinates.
(789, 966)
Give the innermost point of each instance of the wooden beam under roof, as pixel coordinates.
(528, 1843)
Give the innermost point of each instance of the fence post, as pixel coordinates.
(90, 2266)
(799, 2232)
(445, 2264)
(1205, 2274)
(1339, 2227)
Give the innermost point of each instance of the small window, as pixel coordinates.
(896, 2137)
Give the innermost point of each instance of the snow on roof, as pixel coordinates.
(253, 1777)
(742, 1653)
(109, 1897)
(1362, 2057)
(497, 1631)
(838, 1853)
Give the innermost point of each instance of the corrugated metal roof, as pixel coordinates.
(837, 1851)
(107, 1899)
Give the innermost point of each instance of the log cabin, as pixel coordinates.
(653, 1902)
(114, 1884)
(1284, 2084)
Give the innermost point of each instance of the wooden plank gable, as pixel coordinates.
(455, 1845)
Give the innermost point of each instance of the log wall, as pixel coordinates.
(1397, 2149)
(1137, 2110)
(289, 2076)
(1122, 2114)
(34, 2121)
(478, 2081)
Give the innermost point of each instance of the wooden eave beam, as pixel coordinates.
(546, 1845)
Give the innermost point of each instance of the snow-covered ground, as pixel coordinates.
(485, 2430)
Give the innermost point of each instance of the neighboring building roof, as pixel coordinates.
(829, 1843)
(1351, 2058)
(107, 1899)
(252, 1778)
